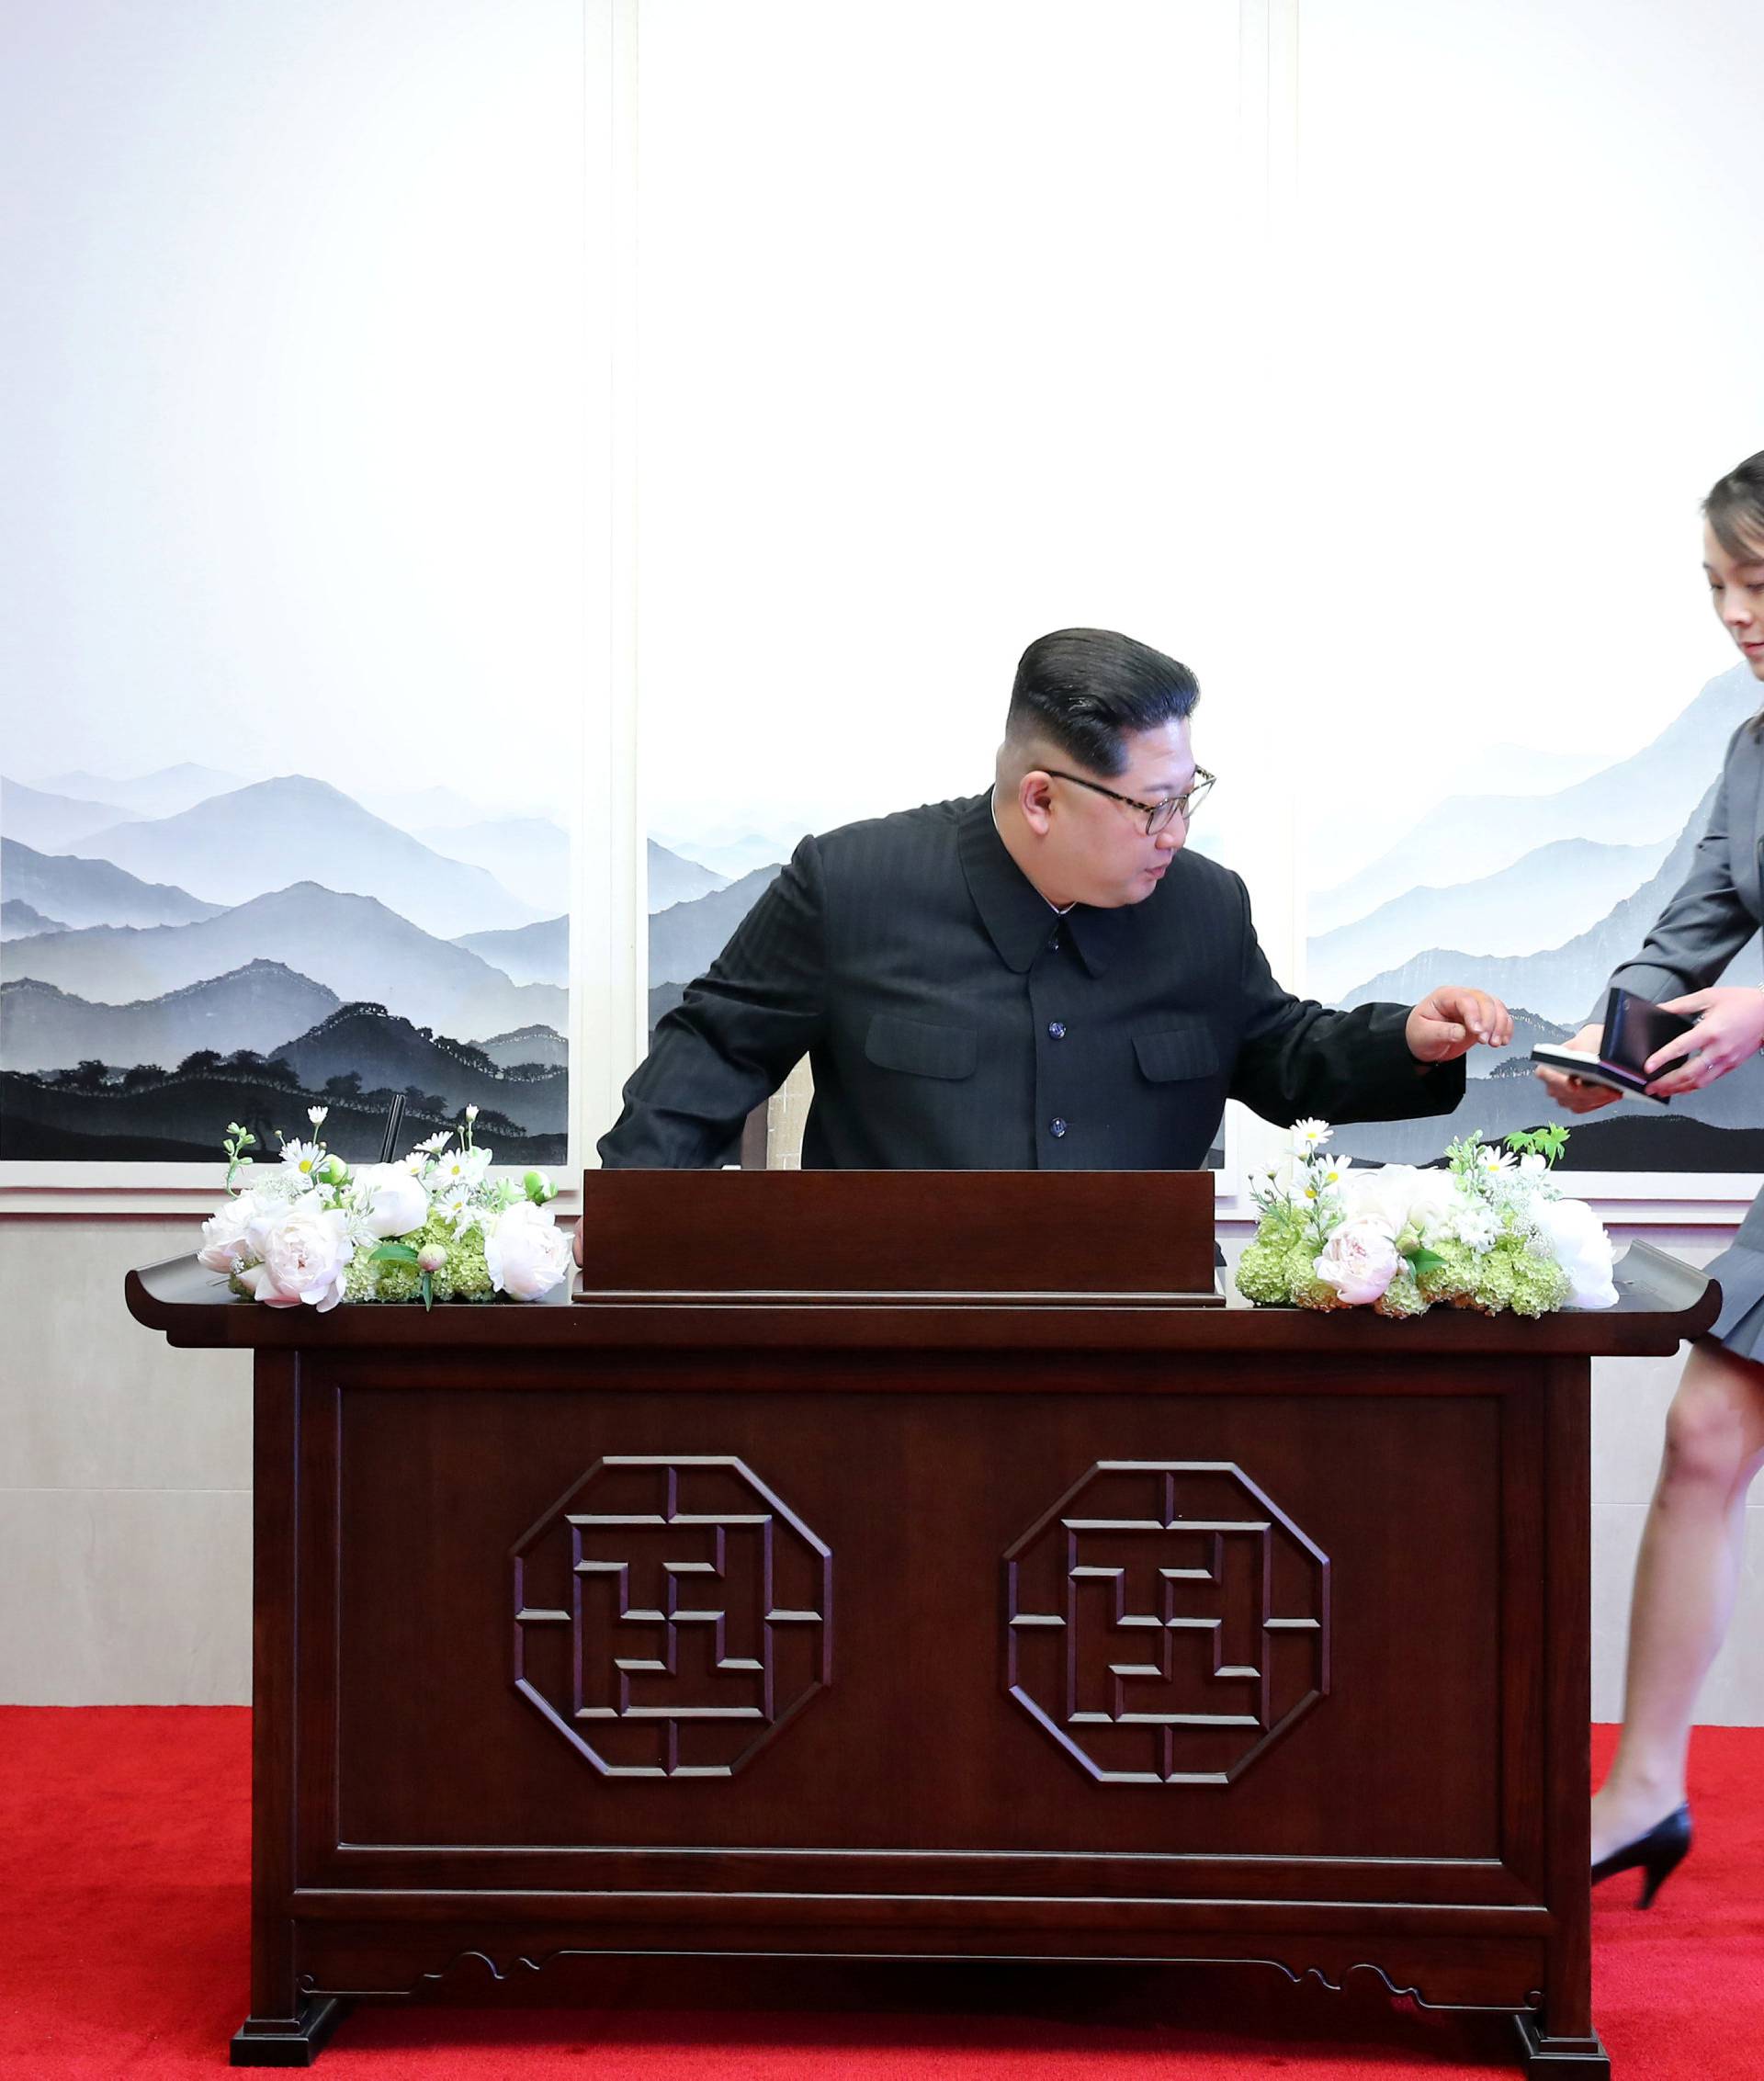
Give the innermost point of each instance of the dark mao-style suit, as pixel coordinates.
(955, 1021)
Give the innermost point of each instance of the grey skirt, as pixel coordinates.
(1740, 1270)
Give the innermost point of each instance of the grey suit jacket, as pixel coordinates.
(1718, 907)
(955, 1022)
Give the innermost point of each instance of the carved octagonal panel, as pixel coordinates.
(670, 1615)
(1165, 1622)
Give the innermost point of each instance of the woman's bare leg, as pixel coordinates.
(1685, 1583)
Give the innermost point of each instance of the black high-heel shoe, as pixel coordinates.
(1659, 1853)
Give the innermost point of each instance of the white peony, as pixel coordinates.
(526, 1251)
(225, 1247)
(393, 1199)
(1400, 1197)
(305, 1252)
(1359, 1261)
(1578, 1243)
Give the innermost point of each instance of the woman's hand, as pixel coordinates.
(1729, 1031)
(1572, 1092)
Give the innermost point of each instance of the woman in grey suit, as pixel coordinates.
(1689, 1569)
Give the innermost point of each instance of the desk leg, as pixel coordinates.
(1584, 2058)
(285, 2027)
(293, 2041)
(1564, 2037)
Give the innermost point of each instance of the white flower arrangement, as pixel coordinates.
(1492, 1232)
(311, 1232)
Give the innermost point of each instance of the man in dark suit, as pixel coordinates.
(1039, 978)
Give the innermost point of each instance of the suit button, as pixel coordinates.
(1055, 1029)
(1055, 1128)
(1052, 944)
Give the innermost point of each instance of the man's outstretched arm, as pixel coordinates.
(1378, 1062)
(735, 1036)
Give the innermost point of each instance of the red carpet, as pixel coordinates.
(115, 1802)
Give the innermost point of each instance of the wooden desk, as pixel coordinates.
(920, 1625)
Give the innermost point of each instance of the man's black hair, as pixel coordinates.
(1088, 690)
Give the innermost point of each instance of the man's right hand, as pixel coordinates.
(1572, 1092)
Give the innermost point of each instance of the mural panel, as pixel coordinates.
(292, 657)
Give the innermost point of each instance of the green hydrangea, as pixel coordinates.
(1511, 1276)
(465, 1276)
(398, 1282)
(1307, 1290)
(361, 1282)
(1261, 1273)
(1402, 1297)
(1453, 1277)
(1278, 1270)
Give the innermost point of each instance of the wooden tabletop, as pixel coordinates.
(1661, 1302)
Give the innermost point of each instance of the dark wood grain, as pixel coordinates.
(985, 1231)
(1058, 1628)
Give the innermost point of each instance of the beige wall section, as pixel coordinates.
(787, 1116)
(125, 1481)
(125, 1487)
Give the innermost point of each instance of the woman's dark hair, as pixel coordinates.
(1089, 689)
(1735, 508)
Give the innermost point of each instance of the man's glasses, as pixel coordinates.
(1159, 816)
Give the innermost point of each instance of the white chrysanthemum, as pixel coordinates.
(1310, 1136)
(458, 1169)
(1495, 1162)
(431, 1143)
(1330, 1171)
(1475, 1226)
(303, 1159)
(316, 1115)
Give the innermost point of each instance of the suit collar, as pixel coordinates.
(1017, 916)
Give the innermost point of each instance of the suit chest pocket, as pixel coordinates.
(1175, 1053)
(921, 1050)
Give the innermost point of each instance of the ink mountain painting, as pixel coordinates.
(186, 947)
(1566, 886)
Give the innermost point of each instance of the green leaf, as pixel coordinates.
(1422, 1262)
(428, 1291)
(394, 1253)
